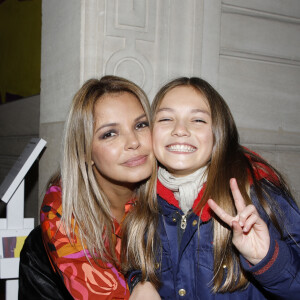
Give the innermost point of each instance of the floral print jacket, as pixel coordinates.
(83, 279)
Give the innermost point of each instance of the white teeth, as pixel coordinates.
(181, 148)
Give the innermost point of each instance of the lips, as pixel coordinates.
(135, 161)
(181, 148)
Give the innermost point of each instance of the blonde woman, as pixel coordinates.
(106, 171)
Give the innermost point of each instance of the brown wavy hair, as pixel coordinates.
(229, 160)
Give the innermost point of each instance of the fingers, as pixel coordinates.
(246, 213)
(144, 291)
(220, 212)
(237, 196)
(242, 222)
(246, 216)
(251, 221)
(237, 230)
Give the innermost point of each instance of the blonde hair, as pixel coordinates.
(139, 239)
(83, 202)
(229, 160)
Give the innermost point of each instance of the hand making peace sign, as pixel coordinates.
(250, 233)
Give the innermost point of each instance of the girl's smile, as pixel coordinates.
(181, 148)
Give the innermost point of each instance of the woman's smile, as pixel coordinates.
(135, 161)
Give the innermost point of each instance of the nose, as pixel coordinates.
(180, 129)
(132, 141)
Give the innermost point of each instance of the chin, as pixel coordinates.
(180, 168)
(134, 178)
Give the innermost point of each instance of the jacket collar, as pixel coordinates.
(168, 196)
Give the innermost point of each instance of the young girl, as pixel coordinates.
(243, 244)
(106, 165)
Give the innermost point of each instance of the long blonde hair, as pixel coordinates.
(84, 204)
(229, 160)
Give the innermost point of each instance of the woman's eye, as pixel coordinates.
(142, 125)
(108, 135)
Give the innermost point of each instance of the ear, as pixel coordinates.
(86, 161)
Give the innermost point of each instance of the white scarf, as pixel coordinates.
(185, 189)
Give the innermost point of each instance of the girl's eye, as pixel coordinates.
(143, 124)
(199, 121)
(108, 134)
(164, 120)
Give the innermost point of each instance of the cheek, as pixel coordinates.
(209, 141)
(146, 140)
(104, 155)
(157, 141)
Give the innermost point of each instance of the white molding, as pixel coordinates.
(259, 56)
(232, 9)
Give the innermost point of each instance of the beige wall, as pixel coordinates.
(246, 49)
(259, 76)
(60, 75)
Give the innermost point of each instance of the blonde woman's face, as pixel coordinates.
(182, 133)
(122, 146)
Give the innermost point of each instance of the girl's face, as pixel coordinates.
(122, 146)
(182, 133)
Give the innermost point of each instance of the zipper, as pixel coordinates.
(183, 222)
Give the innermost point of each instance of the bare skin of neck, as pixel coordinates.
(118, 197)
(118, 194)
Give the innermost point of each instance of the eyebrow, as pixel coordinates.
(115, 124)
(195, 110)
(140, 117)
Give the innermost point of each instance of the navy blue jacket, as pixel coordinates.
(186, 259)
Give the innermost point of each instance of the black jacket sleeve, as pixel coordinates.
(37, 279)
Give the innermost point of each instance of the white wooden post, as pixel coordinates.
(15, 225)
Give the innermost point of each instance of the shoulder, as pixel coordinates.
(52, 196)
(280, 203)
(50, 213)
(275, 195)
(52, 201)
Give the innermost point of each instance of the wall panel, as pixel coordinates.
(259, 76)
(261, 95)
(279, 7)
(262, 34)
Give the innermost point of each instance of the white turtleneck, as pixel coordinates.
(186, 188)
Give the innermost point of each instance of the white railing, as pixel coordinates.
(15, 227)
